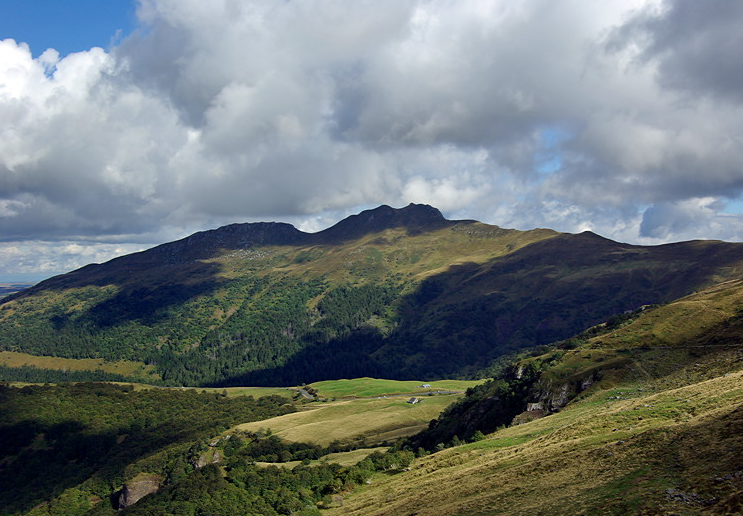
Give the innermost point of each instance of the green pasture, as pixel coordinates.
(370, 387)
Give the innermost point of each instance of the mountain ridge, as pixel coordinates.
(414, 217)
(388, 292)
(203, 245)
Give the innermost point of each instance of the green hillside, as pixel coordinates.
(622, 451)
(641, 415)
(389, 293)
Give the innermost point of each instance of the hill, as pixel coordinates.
(636, 416)
(390, 293)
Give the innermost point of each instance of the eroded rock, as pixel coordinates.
(137, 488)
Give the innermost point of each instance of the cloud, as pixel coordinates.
(616, 117)
(689, 217)
(695, 45)
(34, 260)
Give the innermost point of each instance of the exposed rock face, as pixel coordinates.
(587, 382)
(211, 456)
(550, 396)
(137, 488)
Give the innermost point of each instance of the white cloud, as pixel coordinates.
(35, 260)
(228, 111)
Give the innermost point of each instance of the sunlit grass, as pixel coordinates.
(343, 458)
(599, 456)
(121, 367)
(361, 420)
(367, 387)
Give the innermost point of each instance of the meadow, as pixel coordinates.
(369, 387)
(362, 421)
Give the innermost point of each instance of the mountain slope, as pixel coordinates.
(395, 293)
(676, 452)
(647, 420)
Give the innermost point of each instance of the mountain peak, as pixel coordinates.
(414, 217)
(233, 236)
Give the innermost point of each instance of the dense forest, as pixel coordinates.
(31, 374)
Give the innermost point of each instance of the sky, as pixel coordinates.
(128, 123)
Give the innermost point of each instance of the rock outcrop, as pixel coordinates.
(137, 488)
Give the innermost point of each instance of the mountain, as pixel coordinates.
(395, 293)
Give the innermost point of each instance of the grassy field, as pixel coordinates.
(122, 367)
(369, 387)
(371, 421)
(631, 450)
(256, 392)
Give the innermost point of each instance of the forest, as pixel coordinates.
(68, 450)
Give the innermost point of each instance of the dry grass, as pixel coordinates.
(122, 367)
(256, 392)
(684, 321)
(662, 433)
(349, 458)
(392, 251)
(600, 456)
(368, 420)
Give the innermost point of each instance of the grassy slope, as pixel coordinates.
(468, 294)
(122, 367)
(701, 319)
(349, 458)
(601, 455)
(665, 342)
(388, 255)
(661, 432)
(256, 392)
(363, 420)
(391, 252)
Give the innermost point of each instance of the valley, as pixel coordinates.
(620, 451)
(361, 421)
(11, 288)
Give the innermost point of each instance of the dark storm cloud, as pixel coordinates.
(696, 45)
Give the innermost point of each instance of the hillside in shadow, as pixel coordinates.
(458, 322)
